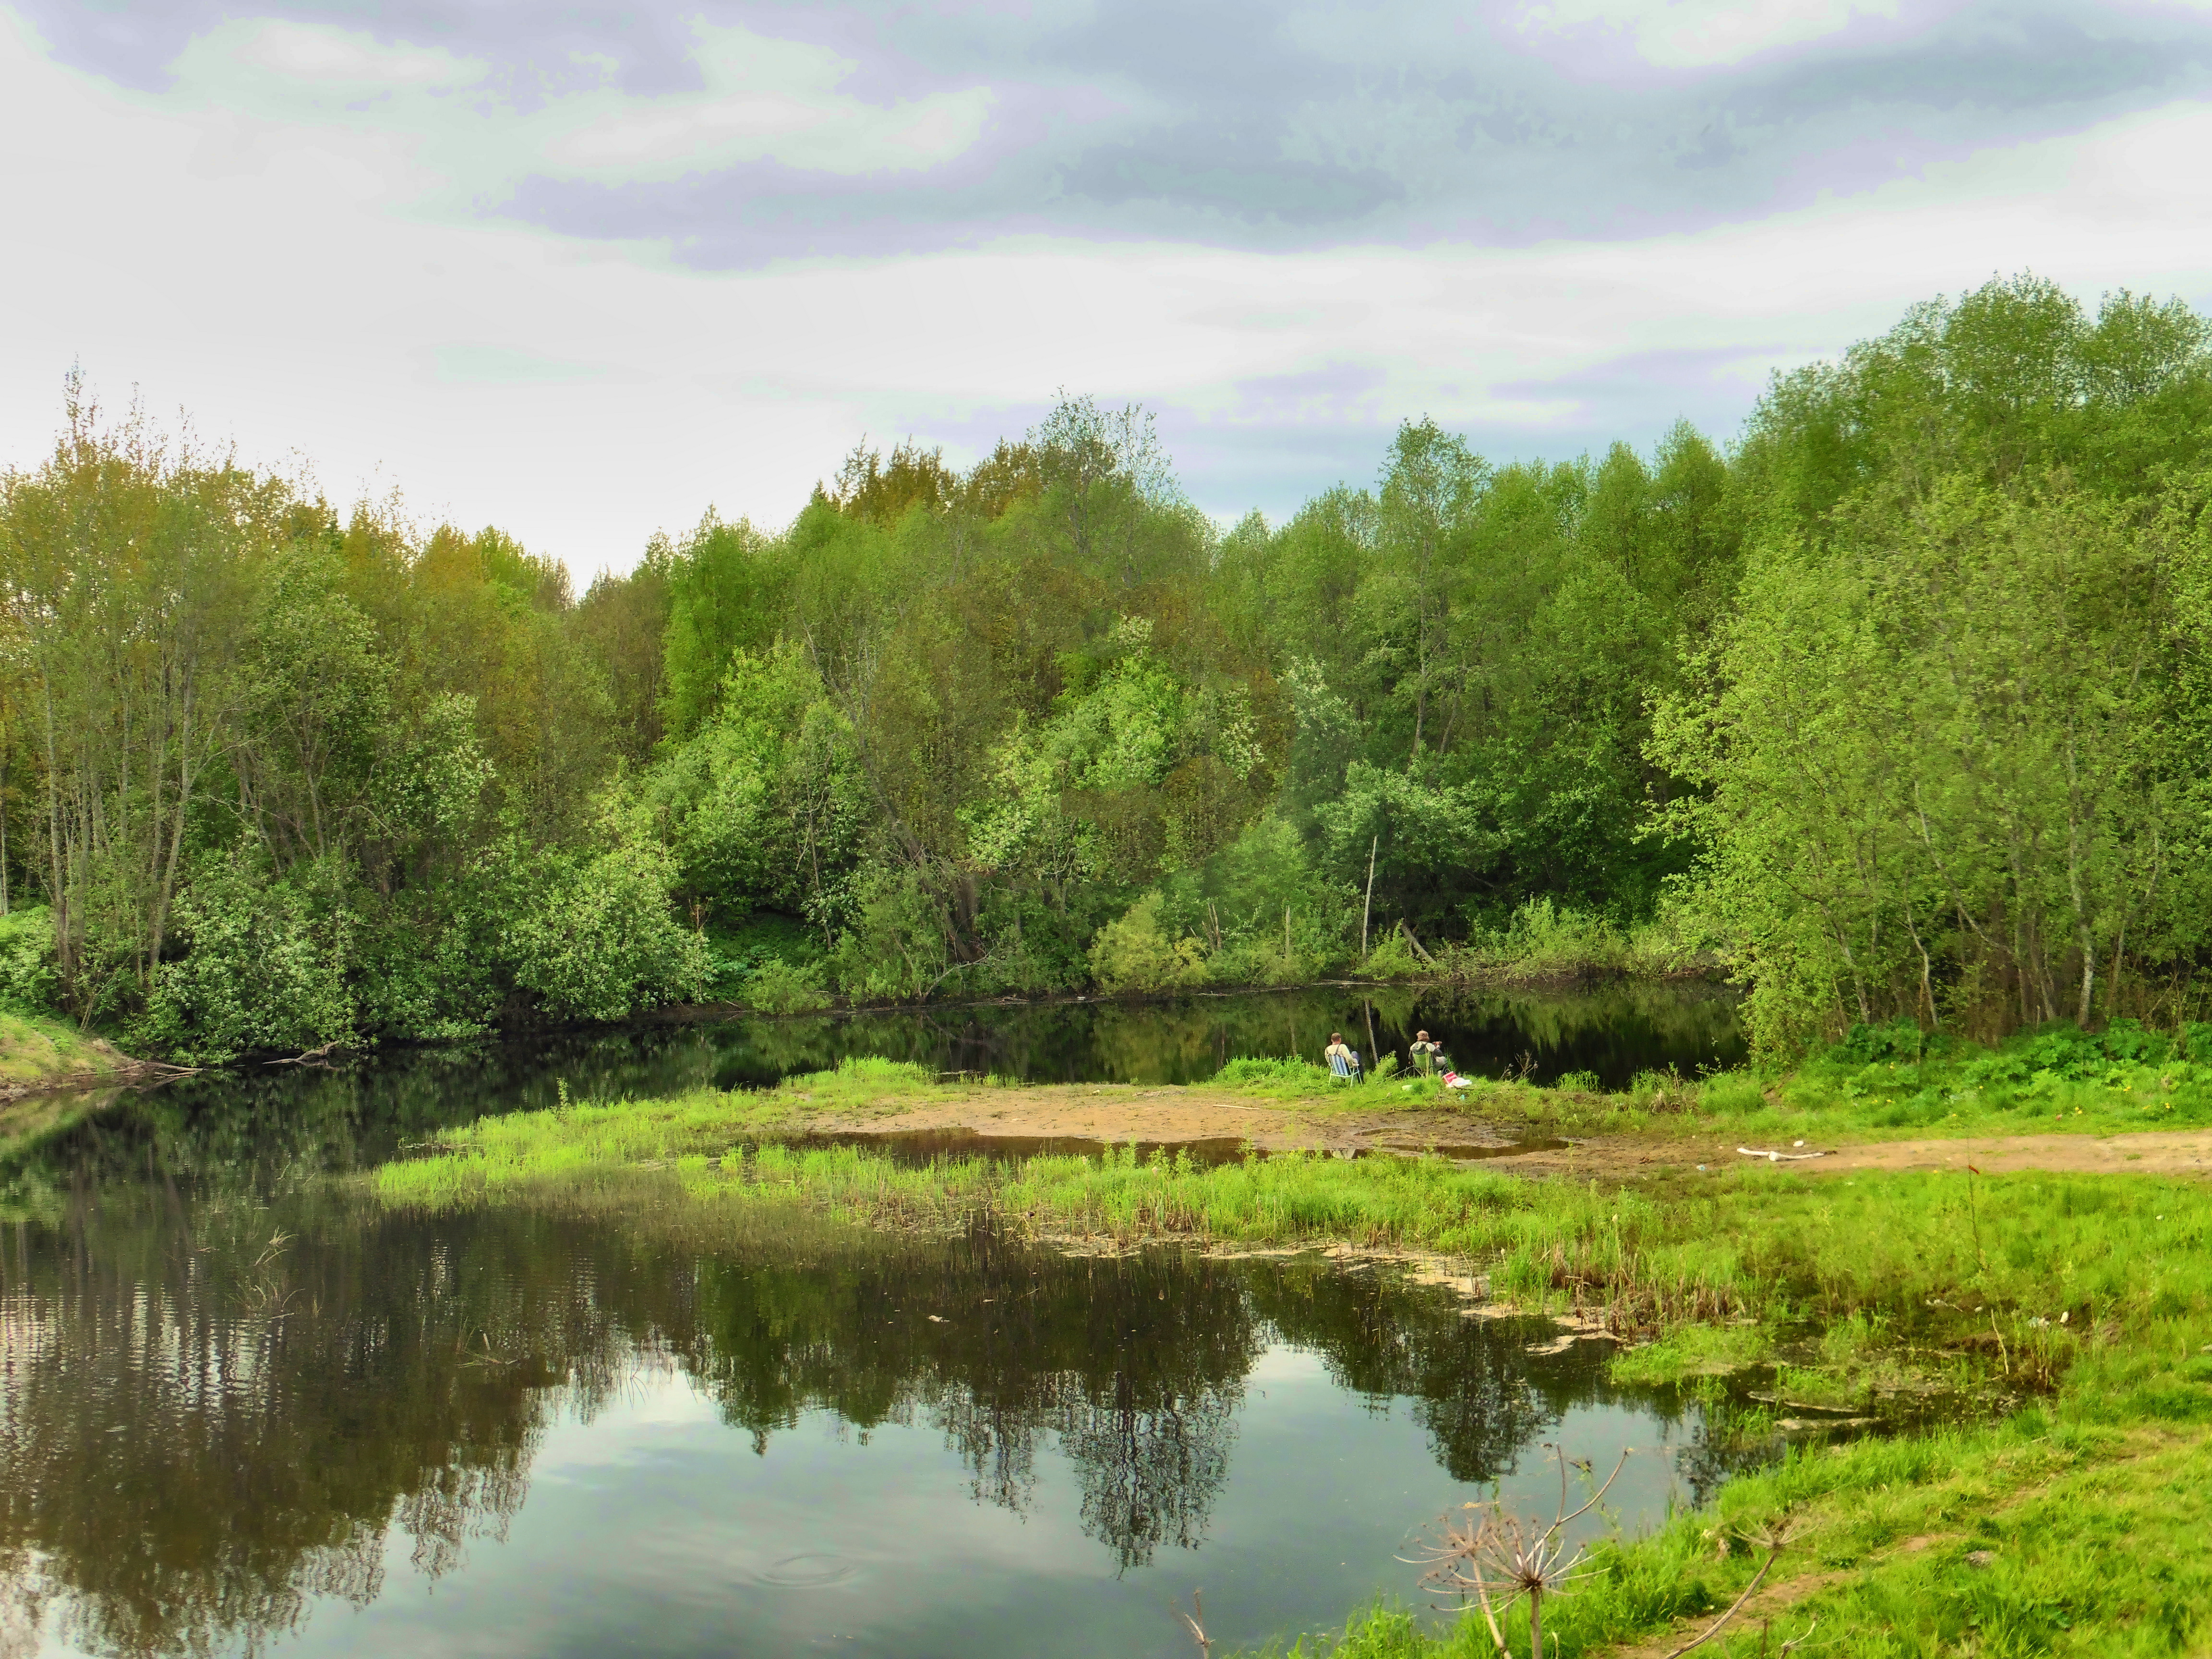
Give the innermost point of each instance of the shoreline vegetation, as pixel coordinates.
(39, 1054)
(2058, 1326)
(277, 773)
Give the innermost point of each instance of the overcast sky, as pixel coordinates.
(582, 269)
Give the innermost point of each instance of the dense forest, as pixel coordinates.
(1896, 707)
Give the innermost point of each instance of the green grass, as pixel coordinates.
(36, 1049)
(1884, 1082)
(1892, 1082)
(2041, 1535)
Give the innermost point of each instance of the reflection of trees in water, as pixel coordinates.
(1150, 1471)
(1471, 1383)
(1135, 1366)
(178, 1474)
(248, 1460)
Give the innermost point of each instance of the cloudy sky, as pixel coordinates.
(582, 269)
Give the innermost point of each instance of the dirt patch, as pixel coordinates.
(2175, 1153)
(1117, 1114)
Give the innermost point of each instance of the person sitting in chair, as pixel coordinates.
(1426, 1055)
(1342, 1061)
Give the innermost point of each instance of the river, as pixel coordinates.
(247, 1410)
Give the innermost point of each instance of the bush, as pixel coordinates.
(1894, 1039)
(1136, 954)
(264, 968)
(786, 988)
(734, 954)
(1393, 958)
(27, 960)
(895, 948)
(605, 941)
(1542, 938)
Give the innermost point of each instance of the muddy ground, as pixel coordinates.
(1024, 1119)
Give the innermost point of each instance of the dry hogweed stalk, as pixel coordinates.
(1195, 1622)
(1498, 1558)
(1770, 1538)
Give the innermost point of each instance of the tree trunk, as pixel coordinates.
(1368, 909)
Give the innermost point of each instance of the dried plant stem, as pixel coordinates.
(1734, 1609)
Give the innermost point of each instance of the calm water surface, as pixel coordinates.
(241, 1410)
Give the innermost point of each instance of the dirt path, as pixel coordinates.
(1119, 1113)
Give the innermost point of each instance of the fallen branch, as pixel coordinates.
(1778, 1158)
(307, 1056)
(1406, 928)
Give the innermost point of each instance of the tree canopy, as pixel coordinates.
(1895, 705)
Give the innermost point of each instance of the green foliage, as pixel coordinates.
(1136, 954)
(785, 988)
(1894, 709)
(1940, 740)
(765, 807)
(1543, 938)
(895, 948)
(27, 960)
(603, 940)
(265, 965)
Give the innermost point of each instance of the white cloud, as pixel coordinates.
(1702, 34)
(300, 52)
(764, 99)
(778, 100)
(587, 394)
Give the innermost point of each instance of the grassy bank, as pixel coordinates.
(2061, 1530)
(1990, 1281)
(35, 1051)
(1882, 1082)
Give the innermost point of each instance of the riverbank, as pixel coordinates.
(1640, 1250)
(2064, 1320)
(39, 1055)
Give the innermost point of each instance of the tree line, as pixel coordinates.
(1893, 706)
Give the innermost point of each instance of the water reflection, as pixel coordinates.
(215, 1413)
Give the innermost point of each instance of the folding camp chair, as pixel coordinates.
(1348, 1069)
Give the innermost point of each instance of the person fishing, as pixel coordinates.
(1426, 1055)
(1343, 1061)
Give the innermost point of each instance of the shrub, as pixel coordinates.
(777, 987)
(1136, 954)
(1542, 938)
(1393, 958)
(261, 968)
(26, 959)
(895, 948)
(605, 941)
